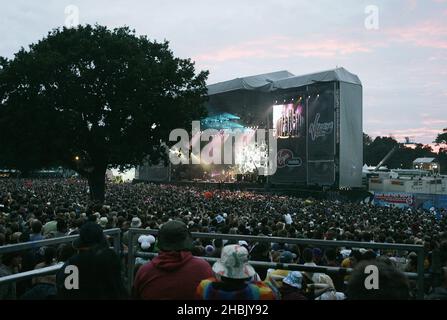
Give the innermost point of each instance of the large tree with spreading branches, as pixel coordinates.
(90, 98)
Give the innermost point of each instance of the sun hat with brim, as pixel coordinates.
(323, 278)
(294, 279)
(90, 235)
(136, 222)
(174, 236)
(220, 219)
(103, 221)
(233, 263)
(50, 226)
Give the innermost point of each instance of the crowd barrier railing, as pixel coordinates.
(418, 249)
(133, 253)
(114, 233)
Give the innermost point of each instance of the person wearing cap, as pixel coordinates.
(291, 286)
(209, 250)
(135, 223)
(308, 257)
(278, 274)
(175, 273)
(99, 268)
(234, 279)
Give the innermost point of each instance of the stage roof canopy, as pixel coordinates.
(269, 82)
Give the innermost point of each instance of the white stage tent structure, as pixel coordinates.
(328, 149)
(318, 118)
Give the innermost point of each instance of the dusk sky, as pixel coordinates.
(402, 64)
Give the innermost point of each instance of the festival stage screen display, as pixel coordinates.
(305, 129)
(289, 120)
(289, 125)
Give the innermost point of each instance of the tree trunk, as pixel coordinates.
(97, 184)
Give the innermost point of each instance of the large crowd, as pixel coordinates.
(32, 210)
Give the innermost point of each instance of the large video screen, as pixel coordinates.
(306, 137)
(289, 124)
(289, 120)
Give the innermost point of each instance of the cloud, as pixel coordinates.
(430, 34)
(412, 4)
(286, 47)
(426, 34)
(434, 122)
(420, 134)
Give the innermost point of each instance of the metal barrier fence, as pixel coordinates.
(419, 250)
(115, 233)
(31, 274)
(132, 254)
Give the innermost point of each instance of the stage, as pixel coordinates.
(299, 191)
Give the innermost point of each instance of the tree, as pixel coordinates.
(441, 140)
(442, 137)
(376, 150)
(403, 157)
(90, 98)
(367, 140)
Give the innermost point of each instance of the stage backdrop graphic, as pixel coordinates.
(291, 161)
(321, 135)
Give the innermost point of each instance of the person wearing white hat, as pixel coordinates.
(146, 243)
(325, 289)
(291, 286)
(103, 222)
(136, 222)
(234, 279)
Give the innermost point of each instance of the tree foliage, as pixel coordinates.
(442, 137)
(375, 150)
(89, 98)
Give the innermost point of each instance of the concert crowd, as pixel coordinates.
(33, 210)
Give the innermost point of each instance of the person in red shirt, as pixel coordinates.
(175, 273)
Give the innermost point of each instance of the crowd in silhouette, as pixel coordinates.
(32, 210)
